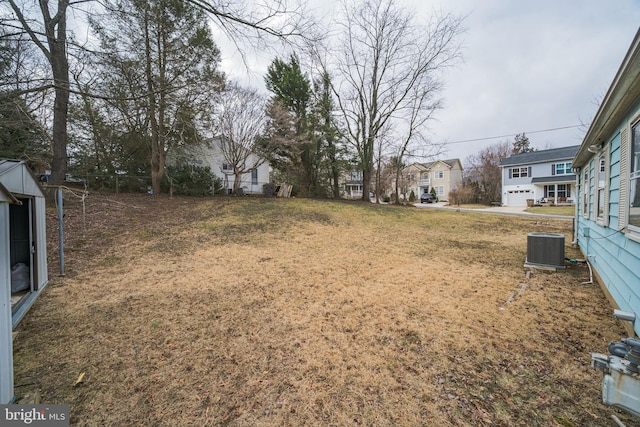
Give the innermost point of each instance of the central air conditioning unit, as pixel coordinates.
(545, 250)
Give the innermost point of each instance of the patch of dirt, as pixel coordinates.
(254, 311)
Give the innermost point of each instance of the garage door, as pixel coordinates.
(518, 197)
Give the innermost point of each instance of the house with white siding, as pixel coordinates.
(442, 176)
(251, 182)
(608, 208)
(539, 176)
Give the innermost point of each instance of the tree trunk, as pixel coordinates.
(60, 70)
(366, 183)
(56, 33)
(157, 162)
(237, 182)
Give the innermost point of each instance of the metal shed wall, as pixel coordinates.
(18, 183)
(6, 344)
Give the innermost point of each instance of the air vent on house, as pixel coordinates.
(545, 250)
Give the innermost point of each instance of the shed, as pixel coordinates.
(23, 257)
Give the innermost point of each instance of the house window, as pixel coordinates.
(634, 179)
(561, 168)
(562, 191)
(410, 177)
(226, 167)
(356, 176)
(425, 176)
(601, 171)
(254, 176)
(439, 190)
(519, 172)
(438, 174)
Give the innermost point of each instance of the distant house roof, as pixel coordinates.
(542, 156)
(450, 162)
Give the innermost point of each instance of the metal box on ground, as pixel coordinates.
(545, 250)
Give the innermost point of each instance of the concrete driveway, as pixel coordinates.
(505, 210)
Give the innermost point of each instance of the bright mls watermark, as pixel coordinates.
(34, 415)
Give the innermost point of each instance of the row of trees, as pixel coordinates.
(145, 86)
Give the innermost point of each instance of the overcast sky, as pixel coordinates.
(528, 67)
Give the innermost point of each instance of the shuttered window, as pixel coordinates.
(520, 172)
(585, 192)
(561, 168)
(602, 186)
(634, 178)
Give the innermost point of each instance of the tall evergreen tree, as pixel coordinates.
(521, 144)
(292, 91)
(330, 152)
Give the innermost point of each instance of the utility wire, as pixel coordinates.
(513, 134)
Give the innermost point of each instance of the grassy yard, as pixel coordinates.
(553, 210)
(290, 312)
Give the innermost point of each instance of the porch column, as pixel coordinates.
(555, 192)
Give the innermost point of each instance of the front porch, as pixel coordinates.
(553, 201)
(554, 191)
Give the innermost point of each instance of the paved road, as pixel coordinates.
(505, 210)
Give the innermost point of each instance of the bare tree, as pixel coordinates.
(484, 168)
(51, 39)
(45, 22)
(240, 122)
(387, 71)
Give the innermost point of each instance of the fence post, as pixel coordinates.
(61, 230)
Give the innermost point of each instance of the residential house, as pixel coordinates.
(441, 175)
(23, 257)
(251, 182)
(351, 187)
(539, 176)
(608, 211)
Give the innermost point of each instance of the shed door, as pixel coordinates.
(21, 236)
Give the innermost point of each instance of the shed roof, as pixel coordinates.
(542, 156)
(17, 178)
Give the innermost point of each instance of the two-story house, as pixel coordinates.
(441, 175)
(351, 187)
(539, 176)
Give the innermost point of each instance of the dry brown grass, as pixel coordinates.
(270, 312)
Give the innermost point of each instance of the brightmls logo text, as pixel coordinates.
(34, 415)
